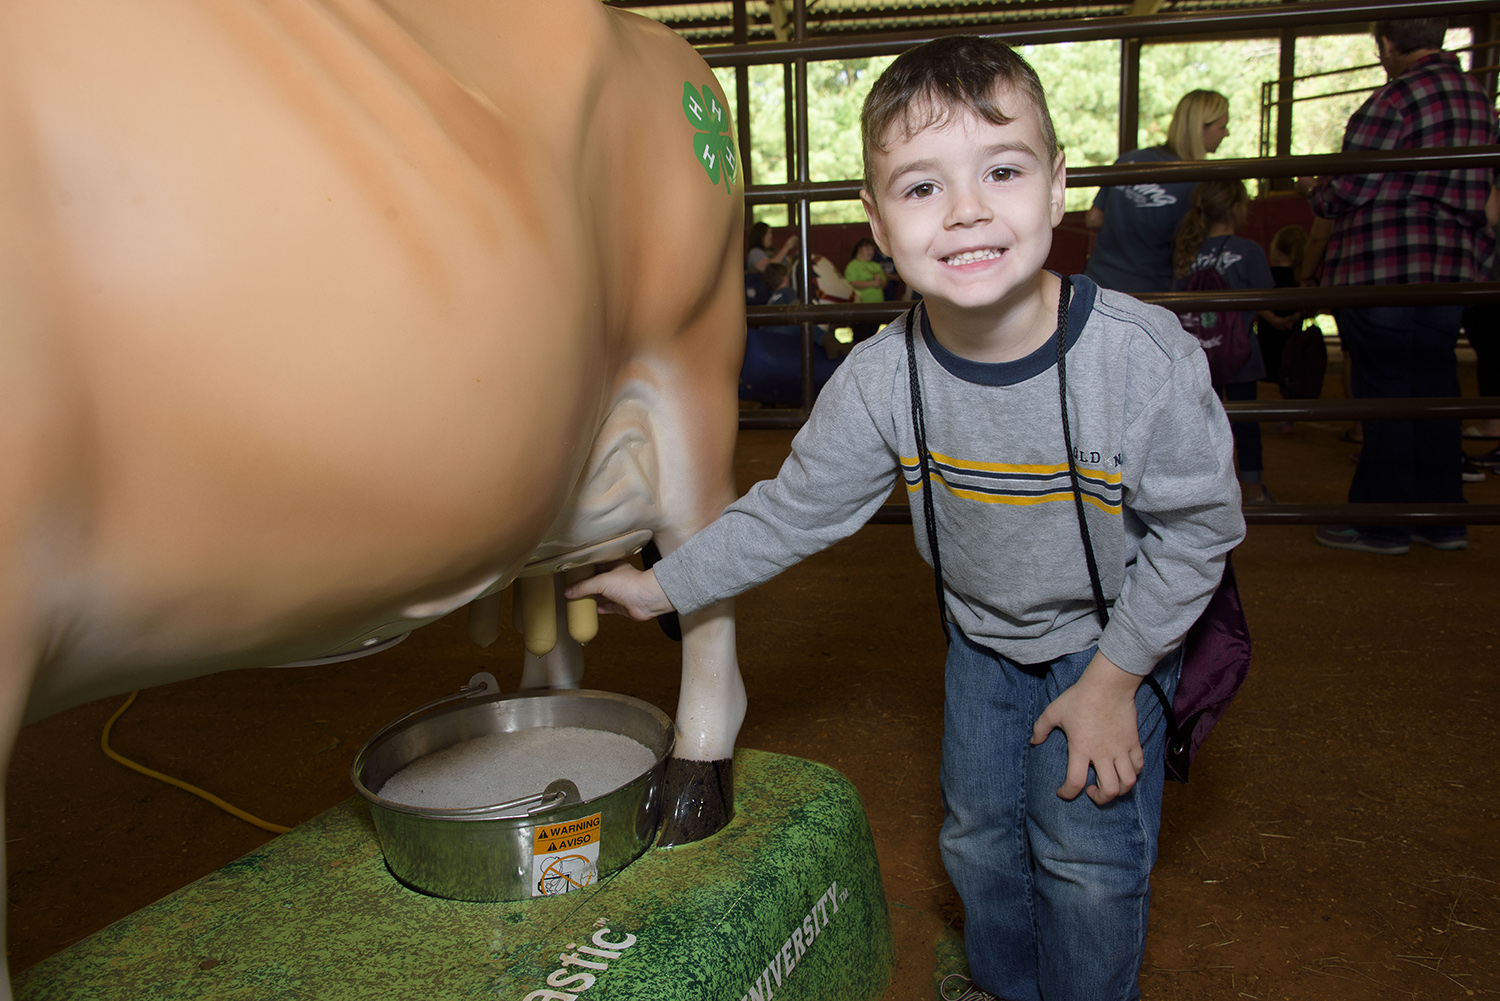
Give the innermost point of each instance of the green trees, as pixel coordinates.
(836, 92)
(1082, 82)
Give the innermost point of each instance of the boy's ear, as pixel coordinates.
(1059, 189)
(877, 225)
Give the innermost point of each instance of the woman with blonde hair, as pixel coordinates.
(1199, 124)
(1137, 223)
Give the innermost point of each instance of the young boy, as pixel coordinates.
(963, 185)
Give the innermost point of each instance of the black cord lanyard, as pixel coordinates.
(1100, 608)
(919, 426)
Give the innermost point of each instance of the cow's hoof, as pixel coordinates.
(698, 800)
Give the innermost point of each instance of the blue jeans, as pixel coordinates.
(1405, 351)
(1055, 893)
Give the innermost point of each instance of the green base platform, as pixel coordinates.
(786, 903)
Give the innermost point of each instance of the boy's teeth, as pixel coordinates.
(970, 256)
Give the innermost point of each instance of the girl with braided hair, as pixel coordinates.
(1206, 239)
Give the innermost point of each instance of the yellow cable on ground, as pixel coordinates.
(169, 780)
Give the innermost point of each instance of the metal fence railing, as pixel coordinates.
(801, 192)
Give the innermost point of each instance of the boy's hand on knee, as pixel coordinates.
(1097, 717)
(623, 590)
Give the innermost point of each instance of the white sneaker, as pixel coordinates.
(957, 987)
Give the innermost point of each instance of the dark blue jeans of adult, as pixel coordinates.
(1404, 352)
(1055, 892)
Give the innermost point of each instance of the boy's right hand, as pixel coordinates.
(621, 589)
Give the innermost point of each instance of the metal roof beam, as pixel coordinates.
(1271, 21)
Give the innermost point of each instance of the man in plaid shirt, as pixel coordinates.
(1400, 228)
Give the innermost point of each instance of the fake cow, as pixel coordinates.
(320, 319)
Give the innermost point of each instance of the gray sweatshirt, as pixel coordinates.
(1154, 457)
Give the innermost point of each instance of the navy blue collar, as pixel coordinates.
(1010, 373)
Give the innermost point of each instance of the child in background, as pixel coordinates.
(1285, 257)
(895, 289)
(1205, 239)
(784, 293)
(869, 280)
(779, 280)
(1310, 275)
(964, 183)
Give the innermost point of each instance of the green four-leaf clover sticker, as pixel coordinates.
(713, 144)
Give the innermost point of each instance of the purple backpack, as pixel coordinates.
(1225, 334)
(1215, 661)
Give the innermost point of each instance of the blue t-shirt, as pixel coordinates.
(1133, 252)
(1242, 264)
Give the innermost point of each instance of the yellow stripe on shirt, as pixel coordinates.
(1033, 469)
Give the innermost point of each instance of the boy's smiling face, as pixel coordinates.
(966, 209)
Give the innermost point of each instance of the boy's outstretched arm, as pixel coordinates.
(624, 590)
(1097, 716)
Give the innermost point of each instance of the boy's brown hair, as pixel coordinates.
(942, 76)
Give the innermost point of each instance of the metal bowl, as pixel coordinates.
(537, 846)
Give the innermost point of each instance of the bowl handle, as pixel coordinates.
(483, 683)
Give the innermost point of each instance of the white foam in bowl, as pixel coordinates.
(506, 766)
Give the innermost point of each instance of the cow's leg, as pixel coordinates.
(697, 484)
(700, 774)
(663, 461)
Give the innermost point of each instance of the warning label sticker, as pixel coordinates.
(565, 856)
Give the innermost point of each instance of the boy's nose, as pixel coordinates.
(966, 207)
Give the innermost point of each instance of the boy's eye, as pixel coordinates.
(922, 190)
(1002, 173)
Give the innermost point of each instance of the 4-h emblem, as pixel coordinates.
(713, 144)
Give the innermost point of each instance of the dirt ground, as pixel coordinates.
(1337, 841)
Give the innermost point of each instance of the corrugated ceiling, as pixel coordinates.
(711, 22)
